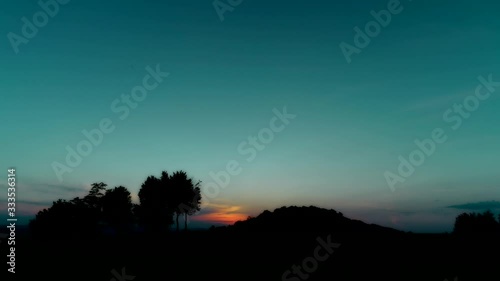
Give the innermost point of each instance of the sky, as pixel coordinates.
(327, 124)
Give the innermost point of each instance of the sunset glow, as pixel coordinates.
(222, 215)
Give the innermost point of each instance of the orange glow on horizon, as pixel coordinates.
(222, 214)
(221, 218)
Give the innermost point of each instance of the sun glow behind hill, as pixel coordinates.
(221, 214)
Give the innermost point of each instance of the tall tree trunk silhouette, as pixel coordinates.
(185, 221)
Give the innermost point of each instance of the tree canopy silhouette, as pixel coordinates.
(469, 223)
(162, 198)
(154, 212)
(187, 196)
(84, 217)
(117, 208)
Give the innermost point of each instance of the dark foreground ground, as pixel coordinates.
(205, 255)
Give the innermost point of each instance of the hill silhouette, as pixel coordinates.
(306, 219)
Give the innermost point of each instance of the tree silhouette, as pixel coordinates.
(180, 189)
(195, 204)
(59, 218)
(78, 217)
(93, 199)
(173, 186)
(117, 208)
(468, 223)
(84, 218)
(186, 196)
(463, 223)
(91, 207)
(160, 198)
(155, 212)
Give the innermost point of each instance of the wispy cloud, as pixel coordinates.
(49, 188)
(32, 198)
(35, 203)
(478, 206)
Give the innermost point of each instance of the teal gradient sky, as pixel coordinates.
(352, 120)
